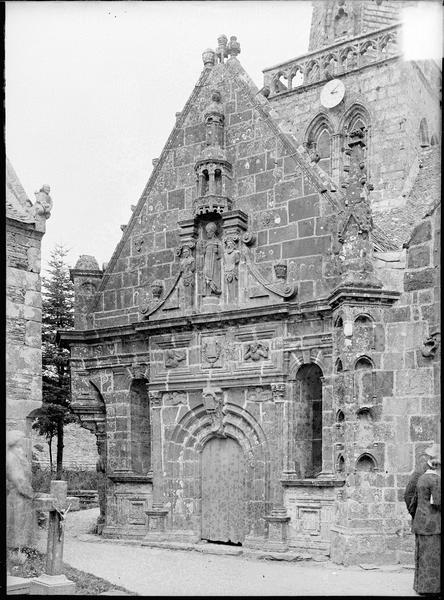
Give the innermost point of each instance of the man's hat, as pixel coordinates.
(434, 451)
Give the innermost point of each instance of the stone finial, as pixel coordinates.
(209, 57)
(233, 47)
(221, 50)
(43, 202)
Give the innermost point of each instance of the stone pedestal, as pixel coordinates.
(156, 524)
(210, 304)
(52, 585)
(277, 530)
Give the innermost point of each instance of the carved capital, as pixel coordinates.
(155, 397)
(139, 371)
(278, 392)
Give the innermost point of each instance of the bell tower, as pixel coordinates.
(336, 20)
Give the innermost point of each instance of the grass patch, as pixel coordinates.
(28, 562)
(77, 479)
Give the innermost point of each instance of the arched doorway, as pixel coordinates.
(224, 491)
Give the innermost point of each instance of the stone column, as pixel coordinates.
(212, 182)
(157, 513)
(278, 518)
(101, 475)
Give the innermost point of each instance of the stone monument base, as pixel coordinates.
(52, 585)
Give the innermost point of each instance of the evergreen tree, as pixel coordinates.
(57, 313)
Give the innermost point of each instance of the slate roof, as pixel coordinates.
(18, 205)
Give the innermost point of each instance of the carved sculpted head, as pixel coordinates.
(156, 289)
(211, 229)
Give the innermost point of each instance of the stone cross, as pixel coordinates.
(54, 581)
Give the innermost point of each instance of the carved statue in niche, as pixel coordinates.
(343, 21)
(173, 357)
(256, 351)
(231, 258)
(212, 265)
(187, 268)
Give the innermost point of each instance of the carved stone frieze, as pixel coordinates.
(173, 357)
(259, 394)
(256, 351)
(278, 391)
(155, 397)
(174, 398)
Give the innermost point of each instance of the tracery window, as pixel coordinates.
(319, 142)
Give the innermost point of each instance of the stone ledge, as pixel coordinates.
(17, 585)
(313, 482)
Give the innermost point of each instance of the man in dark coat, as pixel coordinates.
(410, 490)
(425, 507)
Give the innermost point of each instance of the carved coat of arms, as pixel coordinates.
(211, 351)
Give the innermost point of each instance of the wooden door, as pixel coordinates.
(223, 491)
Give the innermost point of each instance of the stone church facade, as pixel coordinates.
(260, 359)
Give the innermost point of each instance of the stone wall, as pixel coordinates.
(23, 324)
(79, 449)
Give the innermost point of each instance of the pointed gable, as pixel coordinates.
(18, 206)
(291, 204)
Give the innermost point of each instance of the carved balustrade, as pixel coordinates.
(334, 60)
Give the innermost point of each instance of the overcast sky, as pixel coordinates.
(92, 89)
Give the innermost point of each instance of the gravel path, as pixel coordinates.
(157, 572)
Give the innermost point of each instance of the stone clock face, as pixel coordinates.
(332, 93)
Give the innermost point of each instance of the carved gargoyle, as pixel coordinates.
(431, 345)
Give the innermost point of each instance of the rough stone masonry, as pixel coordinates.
(260, 358)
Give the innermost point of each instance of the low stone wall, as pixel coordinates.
(79, 451)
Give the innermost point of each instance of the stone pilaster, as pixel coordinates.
(278, 519)
(101, 475)
(157, 513)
